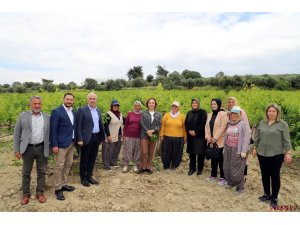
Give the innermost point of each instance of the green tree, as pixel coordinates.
(62, 86)
(138, 82)
(150, 78)
(72, 85)
(176, 78)
(48, 85)
(189, 83)
(90, 83)
(161, 71)
(191, 74)
(135, 72)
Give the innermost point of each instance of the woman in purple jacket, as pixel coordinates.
(237, 138)
(132, 131)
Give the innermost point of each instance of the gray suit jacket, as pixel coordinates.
(23, 131)
(146, 123)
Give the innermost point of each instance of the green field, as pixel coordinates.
(253, 101)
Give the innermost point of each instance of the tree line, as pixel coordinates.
(169, 80)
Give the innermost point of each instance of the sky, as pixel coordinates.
(71, 46)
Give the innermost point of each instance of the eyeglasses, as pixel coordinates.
(117, 105)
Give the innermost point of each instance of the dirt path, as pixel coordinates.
(161, 191)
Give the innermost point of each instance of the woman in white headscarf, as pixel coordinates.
(173, 136)
(132, 131)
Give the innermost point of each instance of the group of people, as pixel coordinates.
(36, 133)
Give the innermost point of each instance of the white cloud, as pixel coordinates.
(71, 47)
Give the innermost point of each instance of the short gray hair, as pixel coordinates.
(92, 93)
(35, 97)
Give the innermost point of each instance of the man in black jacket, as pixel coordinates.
(90, 134)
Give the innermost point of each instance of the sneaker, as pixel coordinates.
(211, 179)
(222, 182)
(125, 168)
(228, 186)
(135, 169)
(239, 191)
(264, 198)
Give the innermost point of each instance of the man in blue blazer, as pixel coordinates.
(63, 139)
(90, 134)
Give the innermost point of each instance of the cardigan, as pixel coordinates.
(219, 128)
(146, 123)
(244, 137)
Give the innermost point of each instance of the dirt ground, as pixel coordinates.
(163, 191)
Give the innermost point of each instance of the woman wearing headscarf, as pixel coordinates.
(132, 131)
(237, 138)
(214, 133)
(196, 143)
(231, 102)
(113, 126)
(173, 136)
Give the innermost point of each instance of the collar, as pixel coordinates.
(39, 114)
(92, 108)
(66, 108)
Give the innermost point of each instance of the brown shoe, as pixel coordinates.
(41, 198)
(25, 200)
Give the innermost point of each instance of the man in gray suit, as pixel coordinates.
(31, 142)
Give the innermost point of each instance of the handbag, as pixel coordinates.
(212, 151)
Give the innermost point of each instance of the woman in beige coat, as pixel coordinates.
(215, 128)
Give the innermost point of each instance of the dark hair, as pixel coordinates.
(69, 94)
(153, 100)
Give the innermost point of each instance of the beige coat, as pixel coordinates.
(219, 128)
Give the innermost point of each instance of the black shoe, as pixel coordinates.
(166, 168)
(148, 171)
(92, 181)
(264, 198)
(85, 183)
(67, 188)
(141, 171)
(107, 167)
(191, 172)
(199, 172)
(59, 195)
(274, 202)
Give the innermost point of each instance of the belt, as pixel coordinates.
(96, 133)
(36, 145)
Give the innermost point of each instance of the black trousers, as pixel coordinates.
(270, 171)
(215, 163)
(88, 157)
(200, 161)
(172, 151)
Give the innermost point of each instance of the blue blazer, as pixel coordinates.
(61, 128)
(85, 125)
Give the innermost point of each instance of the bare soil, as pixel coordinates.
(164, 190)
